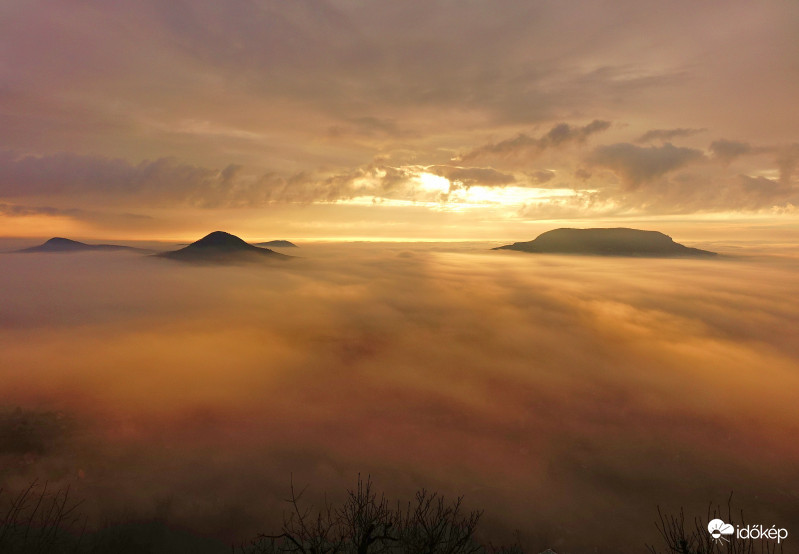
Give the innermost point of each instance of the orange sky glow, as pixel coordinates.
(145, 120)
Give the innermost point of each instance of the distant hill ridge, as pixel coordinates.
(222, 247)
(60, 244)
(277, 244)
(619, 241)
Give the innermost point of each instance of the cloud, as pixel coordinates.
(788, 161)
(636, 165)
(108, 218)
(667, 135)
(701, 192)
(572, 207)
(543, 176)
(369, 126)
(17, 210)
(161, 182)
(728, 150)
(761, 186)
(172, 183)
(699, 187)
(67, 174)
(559, 135)
(471, 176)
(291, 71)
(111, 191)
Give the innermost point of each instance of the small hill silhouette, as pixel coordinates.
(606, 242)
(59, 244)
(222, 248)
(277, 244)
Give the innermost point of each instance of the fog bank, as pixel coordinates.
(567, 396)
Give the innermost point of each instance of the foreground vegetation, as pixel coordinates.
(42, 521)
(366, 523)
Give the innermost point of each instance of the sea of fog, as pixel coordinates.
(566, 396)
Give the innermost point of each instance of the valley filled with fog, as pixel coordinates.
(566, 396)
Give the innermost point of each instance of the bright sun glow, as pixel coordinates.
(433, 183)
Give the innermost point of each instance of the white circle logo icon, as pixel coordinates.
(717, 529)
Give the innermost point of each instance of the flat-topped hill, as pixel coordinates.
(606, 242)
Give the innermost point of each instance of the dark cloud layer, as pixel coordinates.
(112, 218)
(728, 150)
(659, 179)
(469, 176)
(636, 165)
(667, 135)
(16, 210)
(69, 174)
(543, 176)
(168, 182)
(525, 145)
(788, 162)
(163, 182)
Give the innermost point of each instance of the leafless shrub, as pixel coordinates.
(432, 526)
(303, 531)
(39, 521)
(365, 524)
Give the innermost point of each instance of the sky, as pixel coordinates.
(417, 119)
